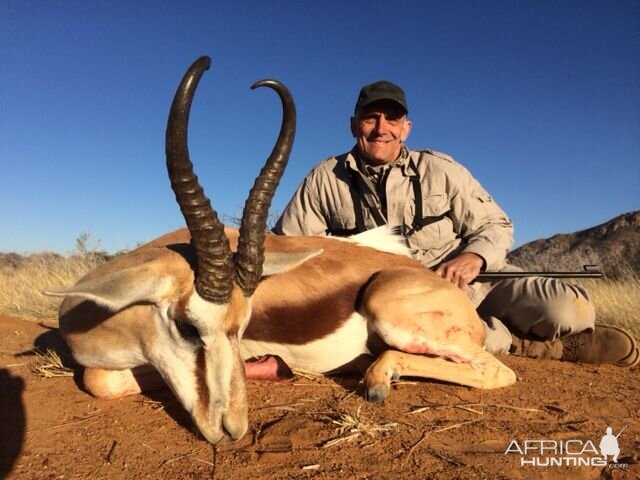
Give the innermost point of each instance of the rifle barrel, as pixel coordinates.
(484, 276)
(623, 429)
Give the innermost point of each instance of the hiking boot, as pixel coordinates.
(606, 344)
(546, 350)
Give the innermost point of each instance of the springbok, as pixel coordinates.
(179, 305)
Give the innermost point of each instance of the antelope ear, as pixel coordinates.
(280, 262)
(117, 290)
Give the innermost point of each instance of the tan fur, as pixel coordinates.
(440, 309)
(238, 311)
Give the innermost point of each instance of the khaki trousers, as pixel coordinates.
(534, 307)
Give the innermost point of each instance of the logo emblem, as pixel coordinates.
(571, 452)
(609, 444)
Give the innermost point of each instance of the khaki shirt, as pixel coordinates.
(464, 216)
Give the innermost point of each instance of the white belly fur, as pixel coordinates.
(323, 355)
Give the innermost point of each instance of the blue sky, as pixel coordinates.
(539, 99)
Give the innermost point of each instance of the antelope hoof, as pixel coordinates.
(378, 379)
(377, 393)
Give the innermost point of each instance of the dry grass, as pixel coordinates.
(352, 426)
(23, 281)
(617, 301)
(49, 364)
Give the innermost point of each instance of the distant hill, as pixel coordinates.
(614, 246)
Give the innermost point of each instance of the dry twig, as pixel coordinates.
(354, 426)
(457, 425)
(415, 445)
(426, 434)
(89, 417)
(49, 365)
(111, 451)
(287, 406)
(170, 460)
(446, 459)
(468, 407)
(155, 405)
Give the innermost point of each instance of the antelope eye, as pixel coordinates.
(188, 331)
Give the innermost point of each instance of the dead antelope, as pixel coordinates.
(181, 303)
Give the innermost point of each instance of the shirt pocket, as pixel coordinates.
(436, 225)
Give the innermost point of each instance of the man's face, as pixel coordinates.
(379, 129)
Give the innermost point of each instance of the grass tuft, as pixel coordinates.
(351, 426)
(49, 364)
(616, 300)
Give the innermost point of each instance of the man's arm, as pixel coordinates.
(484, 227)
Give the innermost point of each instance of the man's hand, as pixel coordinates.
(462, 269)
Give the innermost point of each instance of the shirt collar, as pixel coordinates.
(356, 162)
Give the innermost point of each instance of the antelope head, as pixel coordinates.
(199, 309)
(219, 305)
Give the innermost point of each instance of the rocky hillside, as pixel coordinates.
(614, 246)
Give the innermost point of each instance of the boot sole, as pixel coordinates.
(631, 359)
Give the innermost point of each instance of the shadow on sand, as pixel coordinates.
(12, 420)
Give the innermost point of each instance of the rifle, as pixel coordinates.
(623, 429)
(589, 271)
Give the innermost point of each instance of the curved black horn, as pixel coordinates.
(250, 255)
(214, 260)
